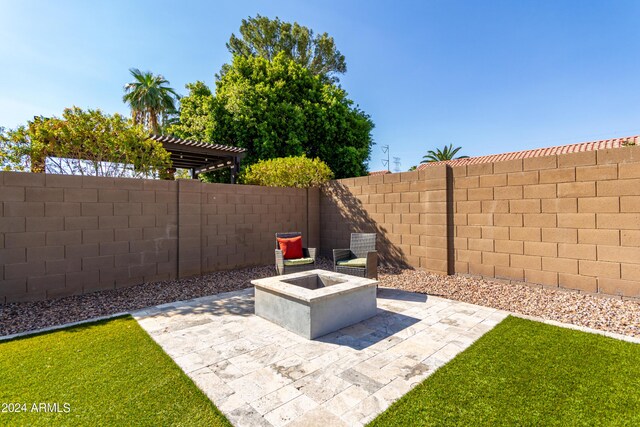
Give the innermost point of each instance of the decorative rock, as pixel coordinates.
(606, 314)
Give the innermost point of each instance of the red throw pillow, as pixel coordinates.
(291, 248)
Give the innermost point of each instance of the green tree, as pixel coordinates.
(298, 172)
(195, 108)
(150, 98)
(447, 153)
(266, 38)
(10, 153)
(279, 108)
(83, 143)
(195, 122)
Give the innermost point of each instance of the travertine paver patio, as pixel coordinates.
(257, 373)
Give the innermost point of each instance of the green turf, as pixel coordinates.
(109, 373)
(529, 374)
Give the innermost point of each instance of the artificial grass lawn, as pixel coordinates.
(109, 373)
(528, 373)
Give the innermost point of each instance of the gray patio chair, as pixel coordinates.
(361, 259)
(286, 266)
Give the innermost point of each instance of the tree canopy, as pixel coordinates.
(298, 172)
(151, 99)
(195, 109)
(83, 143)
(266, 38)
(279, 108)
(438, 155)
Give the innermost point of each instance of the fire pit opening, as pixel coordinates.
(315, 281)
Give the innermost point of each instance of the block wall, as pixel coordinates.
(239, 223)
(570, 221)
(66, 235)
(408, 211)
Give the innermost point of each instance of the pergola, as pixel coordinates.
(200, 156)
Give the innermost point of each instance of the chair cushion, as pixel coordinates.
(355, 262)
(299, 261)
(291, 248)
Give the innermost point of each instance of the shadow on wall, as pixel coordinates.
(342, 213)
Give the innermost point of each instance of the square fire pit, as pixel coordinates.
(316, 302)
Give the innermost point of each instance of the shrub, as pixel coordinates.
(298, 172)
(83, 143)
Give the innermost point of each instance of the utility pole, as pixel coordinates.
(385, 163)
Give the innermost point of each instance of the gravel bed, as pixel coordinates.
(597, 312)
(606, 314)
(27, 316)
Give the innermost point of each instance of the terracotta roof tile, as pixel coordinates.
(382, 172)
(539, 152)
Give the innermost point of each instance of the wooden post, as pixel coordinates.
(234, 170)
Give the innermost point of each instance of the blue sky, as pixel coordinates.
(490, 76)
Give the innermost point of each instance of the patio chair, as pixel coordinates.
(361, 259)
(294, 265)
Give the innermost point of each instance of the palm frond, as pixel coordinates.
(149, 96)
(438, 155)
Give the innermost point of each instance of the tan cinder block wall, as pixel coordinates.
(313, 217)
(408, 211)
(571, 221)
(239, 223)
(65, 235)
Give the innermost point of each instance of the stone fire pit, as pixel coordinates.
(316, 302)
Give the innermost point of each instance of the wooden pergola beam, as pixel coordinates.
(200, 156)
(215, 165)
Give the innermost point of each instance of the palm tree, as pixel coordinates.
(447, 153)
(149, 96)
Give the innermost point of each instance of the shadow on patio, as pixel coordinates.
(382, 327)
